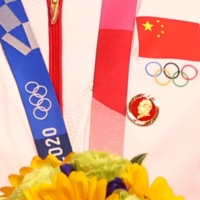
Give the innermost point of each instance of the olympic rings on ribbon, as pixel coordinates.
(168, 75)
(39, 104)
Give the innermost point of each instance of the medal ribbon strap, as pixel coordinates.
(111, 75)
(34, 84)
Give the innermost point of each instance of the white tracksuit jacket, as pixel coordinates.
(172, 142)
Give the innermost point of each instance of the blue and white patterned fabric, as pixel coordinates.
(33, 81)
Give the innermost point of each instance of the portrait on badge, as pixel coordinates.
(142, 110)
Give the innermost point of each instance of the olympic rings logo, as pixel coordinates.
(42, 104)
(168, 74)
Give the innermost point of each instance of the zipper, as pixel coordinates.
(55, 46)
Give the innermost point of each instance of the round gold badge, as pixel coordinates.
(142, 110)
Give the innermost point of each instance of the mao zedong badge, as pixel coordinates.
(142, 110)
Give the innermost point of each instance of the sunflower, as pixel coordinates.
(16, 180)
(136, 179)
(74, 187)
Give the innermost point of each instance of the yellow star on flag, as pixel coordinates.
(148, 26)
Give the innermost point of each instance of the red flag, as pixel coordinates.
(168, 38)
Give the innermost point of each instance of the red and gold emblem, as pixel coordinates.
(143, 110)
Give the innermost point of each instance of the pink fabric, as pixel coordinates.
(110, 128)
(116, 14)
(111, 70)
(111, 76)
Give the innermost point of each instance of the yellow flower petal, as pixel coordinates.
(132, 190)
(128, 168)
(134, 168)
(52, 160)
(141, 181)
(74, 187)
(25, 170)
(72, 176)
(15, 180)
(80, 185)
(36, 162)
(167, 193)
(84, 181)
(68, 158)
(64, 183)
(113, 197)
(7, 190)
(100, 192)
(127, 179)
(48, 192)
(31, 193)
(92, 187)
(136, 179)
(158, 189)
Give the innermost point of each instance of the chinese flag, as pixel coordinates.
(168, 38)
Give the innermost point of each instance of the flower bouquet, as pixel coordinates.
(90, 175)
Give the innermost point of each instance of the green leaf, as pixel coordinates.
(139, 158)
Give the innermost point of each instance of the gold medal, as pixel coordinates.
(142, 110)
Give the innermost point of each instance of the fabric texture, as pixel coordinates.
(111, 76)
(80, 33)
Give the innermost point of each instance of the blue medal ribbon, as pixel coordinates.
(32, 79)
